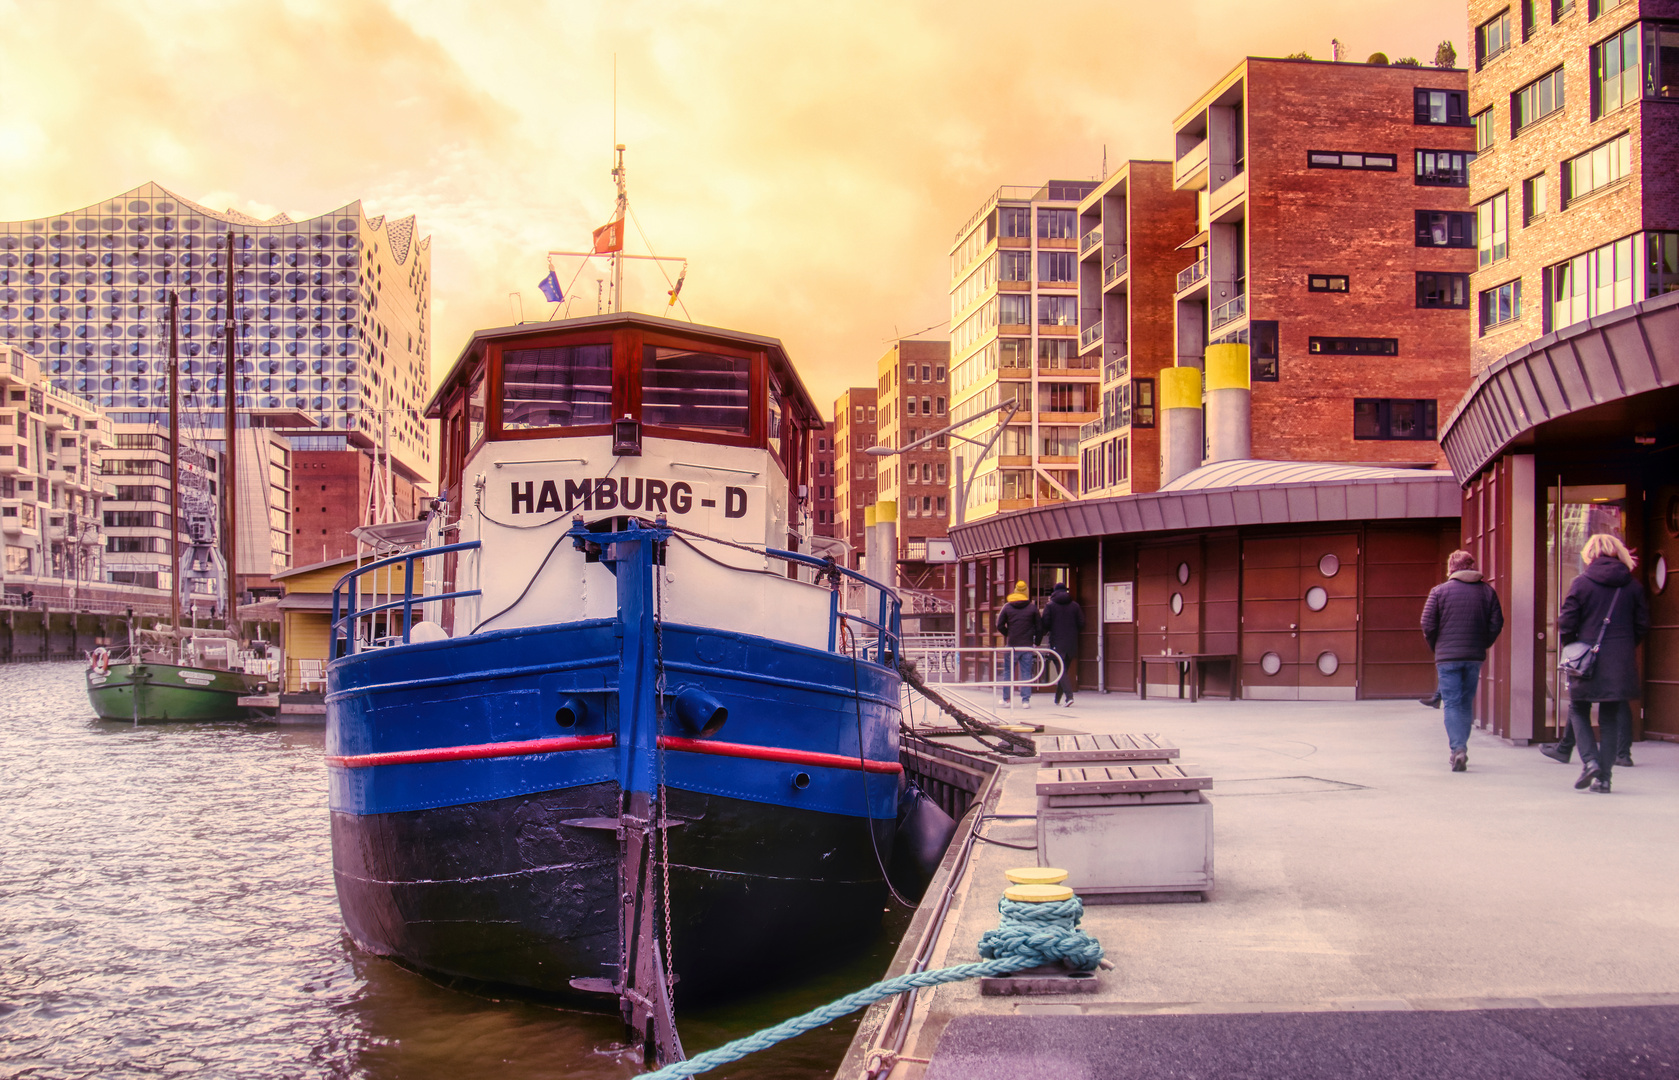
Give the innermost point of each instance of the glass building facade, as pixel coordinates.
(333, 314)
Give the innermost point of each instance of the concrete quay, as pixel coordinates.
(1373, 915)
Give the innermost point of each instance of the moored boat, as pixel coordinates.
(164, 676)
(626, 742)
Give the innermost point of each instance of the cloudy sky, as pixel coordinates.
(811, 160)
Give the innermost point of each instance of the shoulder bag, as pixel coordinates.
(1579, 660)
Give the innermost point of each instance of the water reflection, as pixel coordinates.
(166, 907)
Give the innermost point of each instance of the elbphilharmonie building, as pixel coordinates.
(333, 315)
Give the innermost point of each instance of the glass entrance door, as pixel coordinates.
(1574, 514)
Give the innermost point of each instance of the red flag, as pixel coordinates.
(610, 237)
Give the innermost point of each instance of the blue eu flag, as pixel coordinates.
(550, 287)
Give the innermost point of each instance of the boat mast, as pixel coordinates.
(174, 462)
(623, 208)
(230, 471)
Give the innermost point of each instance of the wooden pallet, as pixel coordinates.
(1054, 749)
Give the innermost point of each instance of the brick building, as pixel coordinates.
(822, 501)
(912, 391)
(1014, 300)
(1327, 199)
(1569, 429)
(1129, 230)
(331, 495)
(855, 425)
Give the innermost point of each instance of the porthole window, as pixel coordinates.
(1270, 663)
(1328, 663)
(1317, 598)
(1329, 566)
(1660, 573)
(1183, 573)
(1177, 603)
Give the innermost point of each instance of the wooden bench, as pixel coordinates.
(1081, 749)
(1190, 665)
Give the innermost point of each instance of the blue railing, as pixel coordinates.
(351, 613)
(888, 623)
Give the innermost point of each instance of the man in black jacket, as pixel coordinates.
(1017, 621)
(1061, 621)
(1460, 620)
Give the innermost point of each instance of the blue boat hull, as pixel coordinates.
(458, 852)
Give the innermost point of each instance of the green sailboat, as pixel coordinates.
(172, 673)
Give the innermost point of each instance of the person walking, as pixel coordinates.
(1460, 620)
(1017, 621)
(1060, 624)
(1605, 605)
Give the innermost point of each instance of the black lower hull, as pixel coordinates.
(503, 892)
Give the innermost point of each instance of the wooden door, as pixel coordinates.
(1300, 617)
(1271, 618)
(1660, 565)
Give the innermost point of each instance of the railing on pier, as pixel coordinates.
(350, 584)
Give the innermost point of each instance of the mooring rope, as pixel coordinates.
(1029, 933)
(1013, 743)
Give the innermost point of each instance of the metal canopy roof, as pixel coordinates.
(1626, 352)
(1227, 494)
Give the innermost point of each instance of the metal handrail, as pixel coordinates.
(888, 626)
(1191, 274)
(1116, 269)
(1090, 335)
(408, 599)
(1230, 312)
(934, 661)
(1090, 239)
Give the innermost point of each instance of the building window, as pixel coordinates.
(1440, 107)
(1058, 441)
(1326, 283)
(1014, 266)
(1142, 403)
(1014, 309)
(1335, 159)
(1662, 275)
(1530, 18)
(1500, 305)
(1483, 129)
(1014, 221)
(938, 373)
(940, 403)
(1559, 8)
(1615, 72)
(1492, 38)
(1394, 418)
(1594, 8)
(1057, 266)
(1593, 283)
(1057, 224)
(1058, 310)
(1597, 168)
(1443, 168)
(1535, 101)
(1069, 397)
(859, 414)
(1353, 346)
(1445, 228)
(1661, 61)
(1436, 290)
(909, 373)
(1492, 229)
(1262, 350)
(1533, 199)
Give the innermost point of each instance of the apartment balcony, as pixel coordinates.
(16, 367)
(1090, 240)
(55, 421)
(1189, 172)
(1091, 336)
(1116, 272)
(1228, 201)
(1229, 311)
(1118, 365)
(1192, 276)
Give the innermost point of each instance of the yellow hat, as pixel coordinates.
(1019, 592)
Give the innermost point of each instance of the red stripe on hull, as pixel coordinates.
(773, 753)
(471, 753)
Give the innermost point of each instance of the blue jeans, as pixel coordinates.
(1025, 666)
(1459, 680)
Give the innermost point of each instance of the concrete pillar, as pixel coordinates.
(1229, 403)
(1180, 420)
(886, 542)
(870, 598)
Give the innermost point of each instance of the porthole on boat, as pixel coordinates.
(1317, 598)
(1270, 663)
(1328, 663)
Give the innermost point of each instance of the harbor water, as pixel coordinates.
(167, 909)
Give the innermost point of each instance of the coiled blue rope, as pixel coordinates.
(1027, 935)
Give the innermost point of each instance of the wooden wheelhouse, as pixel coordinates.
(581, 378)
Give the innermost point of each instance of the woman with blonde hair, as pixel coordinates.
(1606, 604)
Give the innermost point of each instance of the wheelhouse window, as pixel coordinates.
(556, 387)
(703, 391)
(475, 412)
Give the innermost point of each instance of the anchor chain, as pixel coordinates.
(664, 808)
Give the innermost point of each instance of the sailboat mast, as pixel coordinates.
(623, 209)
(174, 462)
(230, 453)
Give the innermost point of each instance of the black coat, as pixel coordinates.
(1017, 621)
(1061, 622)
(1462, 618)
(1616, 677)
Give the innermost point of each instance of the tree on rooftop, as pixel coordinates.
(1407, 61)
(1445, 56)
(1301, 55)
(1378, 58)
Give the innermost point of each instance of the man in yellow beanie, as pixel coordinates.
(1018, 623)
